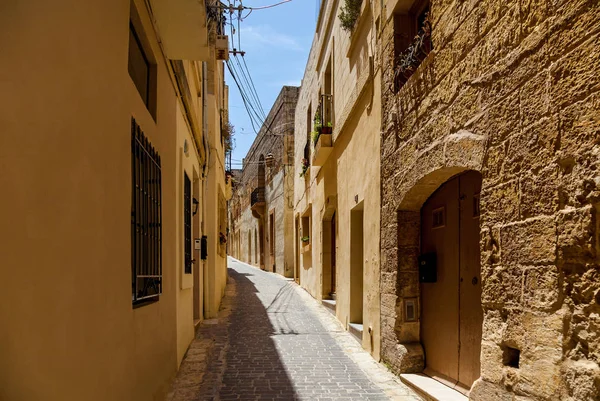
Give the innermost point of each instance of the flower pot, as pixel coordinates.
(326, 130)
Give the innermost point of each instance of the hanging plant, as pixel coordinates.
(349, 14)
(305, 239)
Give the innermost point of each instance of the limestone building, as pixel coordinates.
(490, 195)
(336, 189)
(262, 208)
(112, 165)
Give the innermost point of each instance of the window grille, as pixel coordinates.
(146, 218)
(187, 222)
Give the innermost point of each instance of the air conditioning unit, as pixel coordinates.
(222, 47)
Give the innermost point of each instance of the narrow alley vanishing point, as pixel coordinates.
(276, 342)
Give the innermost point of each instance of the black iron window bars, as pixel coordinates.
(146, 219)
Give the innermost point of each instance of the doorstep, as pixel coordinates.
(356, 329)
(431, 389)
(330, 304)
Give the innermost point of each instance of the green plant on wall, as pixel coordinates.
(349, 14)
(315, 136)
(305, 239)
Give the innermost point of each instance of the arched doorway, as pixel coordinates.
(451, 314)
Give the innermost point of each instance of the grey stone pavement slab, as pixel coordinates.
(273, 341)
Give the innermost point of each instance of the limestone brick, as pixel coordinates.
(518, 82)
(532, 241)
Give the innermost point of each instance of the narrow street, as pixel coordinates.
(272, 341)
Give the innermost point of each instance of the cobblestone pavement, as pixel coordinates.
(273, 341)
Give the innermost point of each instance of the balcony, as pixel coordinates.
(322, 136)
(257, 202)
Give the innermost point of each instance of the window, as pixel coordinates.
(146, 219)
(412, 41)
(141, 65)
(187, 223)
(439, 218)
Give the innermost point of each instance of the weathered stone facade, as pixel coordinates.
(263, 231)
(511, 90)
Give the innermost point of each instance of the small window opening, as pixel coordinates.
(510, 356)
(438, 218)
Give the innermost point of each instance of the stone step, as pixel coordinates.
(431, 389)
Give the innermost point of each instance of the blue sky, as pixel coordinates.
(277, 42)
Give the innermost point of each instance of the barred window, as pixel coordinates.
(187, 222)
(146, 219)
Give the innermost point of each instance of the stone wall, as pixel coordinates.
(275, 137)
(511, 90)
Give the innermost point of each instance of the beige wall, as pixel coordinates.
(351, 174)
(214, 192)
(66, 101)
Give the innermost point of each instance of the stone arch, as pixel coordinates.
(456, 153)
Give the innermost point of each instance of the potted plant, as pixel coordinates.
(326, 129)
(305, 239)
(222, 238)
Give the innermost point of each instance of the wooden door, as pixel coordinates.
(451, 315)
(439, 300)
(471, 313)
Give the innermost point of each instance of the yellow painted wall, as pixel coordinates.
(66, 100)
(352, 170)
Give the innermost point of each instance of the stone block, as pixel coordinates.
(493, 165)
(492, 369)
(493, 327)
(466, 35)
(533, 147)
(409, 225)
(502, 286)
(534, 97)
(408, 259)
(500, 204)
(583, 379)
(389, 283)
(577, 236)
(389, 260)
(574, 77)
(533, 14)
(407, 332)
(574, 20)
(581, 284)
(541, 288)
(539, 372)
(529, 242)
(503, 119)
(539, 192)
(489, 245)
(483, 390)
(580, 127)
(464, 149)
(408, 284)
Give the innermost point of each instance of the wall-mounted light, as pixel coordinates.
(196, 203)
(269, 160)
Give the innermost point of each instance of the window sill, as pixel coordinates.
(144, 302)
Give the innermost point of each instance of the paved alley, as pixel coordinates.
(273, 341)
